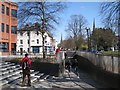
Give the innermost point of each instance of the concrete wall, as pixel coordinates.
(108, 63)
(47, 68)
(98, 73)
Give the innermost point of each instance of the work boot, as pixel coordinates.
(23, 84)
(28, 84)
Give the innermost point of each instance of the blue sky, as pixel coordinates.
(89, 10)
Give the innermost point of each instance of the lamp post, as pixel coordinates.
(87, 29)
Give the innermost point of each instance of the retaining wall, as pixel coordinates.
(103, 69)
(109, 63)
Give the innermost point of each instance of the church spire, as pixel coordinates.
(94, 24)
(61, 38)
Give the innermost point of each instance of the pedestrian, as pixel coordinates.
(57, 54)
(57, 51)
(68, 65)
(26, 65)
(65, 55)
(76, 67)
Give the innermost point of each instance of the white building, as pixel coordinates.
(31, 42)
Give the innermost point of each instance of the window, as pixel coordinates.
(28, 33)
(21, 51)
(21, 41)
(21, 33)
(45, 41)
(7, 11)
(3, 9)
(45, 36)
(37, 41)
(1, 46)
(7, 28)
(35, 49)
(2, 26)
(28, 50)
(14, 13)
(37, 33)
(28, 41)
(14, 29)
(4, 46)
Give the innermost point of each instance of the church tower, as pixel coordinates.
(94, 24)
(61, 38)
(61, 42)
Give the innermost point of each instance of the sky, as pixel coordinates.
(90, 10)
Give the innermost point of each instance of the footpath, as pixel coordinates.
(11, 77)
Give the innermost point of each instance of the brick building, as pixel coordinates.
(8, 27)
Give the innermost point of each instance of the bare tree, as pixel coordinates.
(45, 13)
(68, 44)
(111, 16)
(76, 27)
(110, 12)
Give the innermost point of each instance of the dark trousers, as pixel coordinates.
(26, 72)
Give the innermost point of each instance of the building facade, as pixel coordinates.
(8, 27)
(31, 42)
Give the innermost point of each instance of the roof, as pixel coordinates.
(31, 28)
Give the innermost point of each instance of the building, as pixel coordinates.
(31, 42)
(8, 27)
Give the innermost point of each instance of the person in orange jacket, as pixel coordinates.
(26, 65)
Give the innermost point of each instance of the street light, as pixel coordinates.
(87, 29)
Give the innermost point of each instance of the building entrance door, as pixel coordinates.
(21, 51)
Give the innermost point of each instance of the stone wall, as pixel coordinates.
(108, 63)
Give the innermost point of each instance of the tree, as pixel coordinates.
(76, 27)
(103, 38)
(110, 12)
(45, 13)
(68, 43)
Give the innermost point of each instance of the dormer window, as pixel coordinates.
(45, 36)
(21, 33)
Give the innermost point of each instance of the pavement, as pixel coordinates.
(11, 77)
